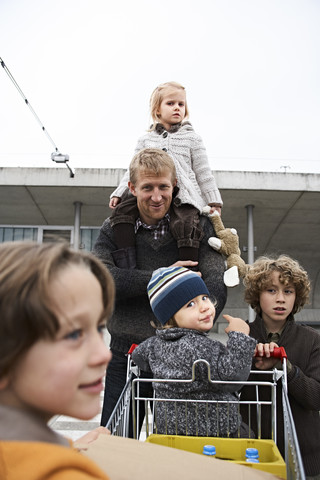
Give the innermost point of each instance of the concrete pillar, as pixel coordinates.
(250, 233)
(77, 223)
(250, 247)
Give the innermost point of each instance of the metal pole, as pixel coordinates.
(250, 233)
(250, 248)
(56, 156)
(77, 220)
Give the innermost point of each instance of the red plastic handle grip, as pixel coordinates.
(133, 346)
(278, 352)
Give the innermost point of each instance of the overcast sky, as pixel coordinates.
(251, 69)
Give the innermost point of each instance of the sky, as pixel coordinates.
(251, 69)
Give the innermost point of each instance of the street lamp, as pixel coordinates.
(55, 156)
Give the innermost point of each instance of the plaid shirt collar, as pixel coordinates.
(158, 230)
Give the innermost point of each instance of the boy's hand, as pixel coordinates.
(82, 442)
(236, 325)
(263, 360)
(114, 201)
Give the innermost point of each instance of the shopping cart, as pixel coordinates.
(118, 423)
(231, 448)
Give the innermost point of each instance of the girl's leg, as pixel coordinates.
(185, 228)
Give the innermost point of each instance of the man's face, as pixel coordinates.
(154, 195)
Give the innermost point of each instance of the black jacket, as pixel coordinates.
(302, 345)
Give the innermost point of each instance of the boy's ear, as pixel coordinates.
(4, 382)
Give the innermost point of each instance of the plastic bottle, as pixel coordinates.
(252, 455)
(209, 450)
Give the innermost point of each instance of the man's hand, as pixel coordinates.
(263, 360)
(186, 264)
(114, 201)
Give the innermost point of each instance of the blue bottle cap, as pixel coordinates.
(252, 454)
(209, 450)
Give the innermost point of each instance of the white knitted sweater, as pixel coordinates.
(196, 183)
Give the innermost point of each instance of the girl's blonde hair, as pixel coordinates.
(156, 98)
(258, 279)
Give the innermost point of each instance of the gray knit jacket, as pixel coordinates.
(170, 355)
(130, 322)
(197, 185)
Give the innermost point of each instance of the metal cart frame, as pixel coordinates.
(118, 423)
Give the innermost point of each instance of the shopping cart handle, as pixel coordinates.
(278, 352)
(133, 346)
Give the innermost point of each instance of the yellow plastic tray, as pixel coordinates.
(230, 449)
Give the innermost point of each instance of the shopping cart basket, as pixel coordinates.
(228, 448)
(118, 423)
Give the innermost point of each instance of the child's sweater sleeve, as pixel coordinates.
(204, 176)
(122, 187)
(140, 355)
(236, 360)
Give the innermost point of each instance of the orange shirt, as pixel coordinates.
(38, 461)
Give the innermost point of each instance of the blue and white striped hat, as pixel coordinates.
(171, 288)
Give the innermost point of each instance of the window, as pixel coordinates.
(9, 233)
(88, 238)
(16, 234)
(56, 235)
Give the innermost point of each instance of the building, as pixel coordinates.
(272, 212)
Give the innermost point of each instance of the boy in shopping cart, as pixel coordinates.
(277, 288)
(180, 301)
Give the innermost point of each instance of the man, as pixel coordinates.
(152, 182)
